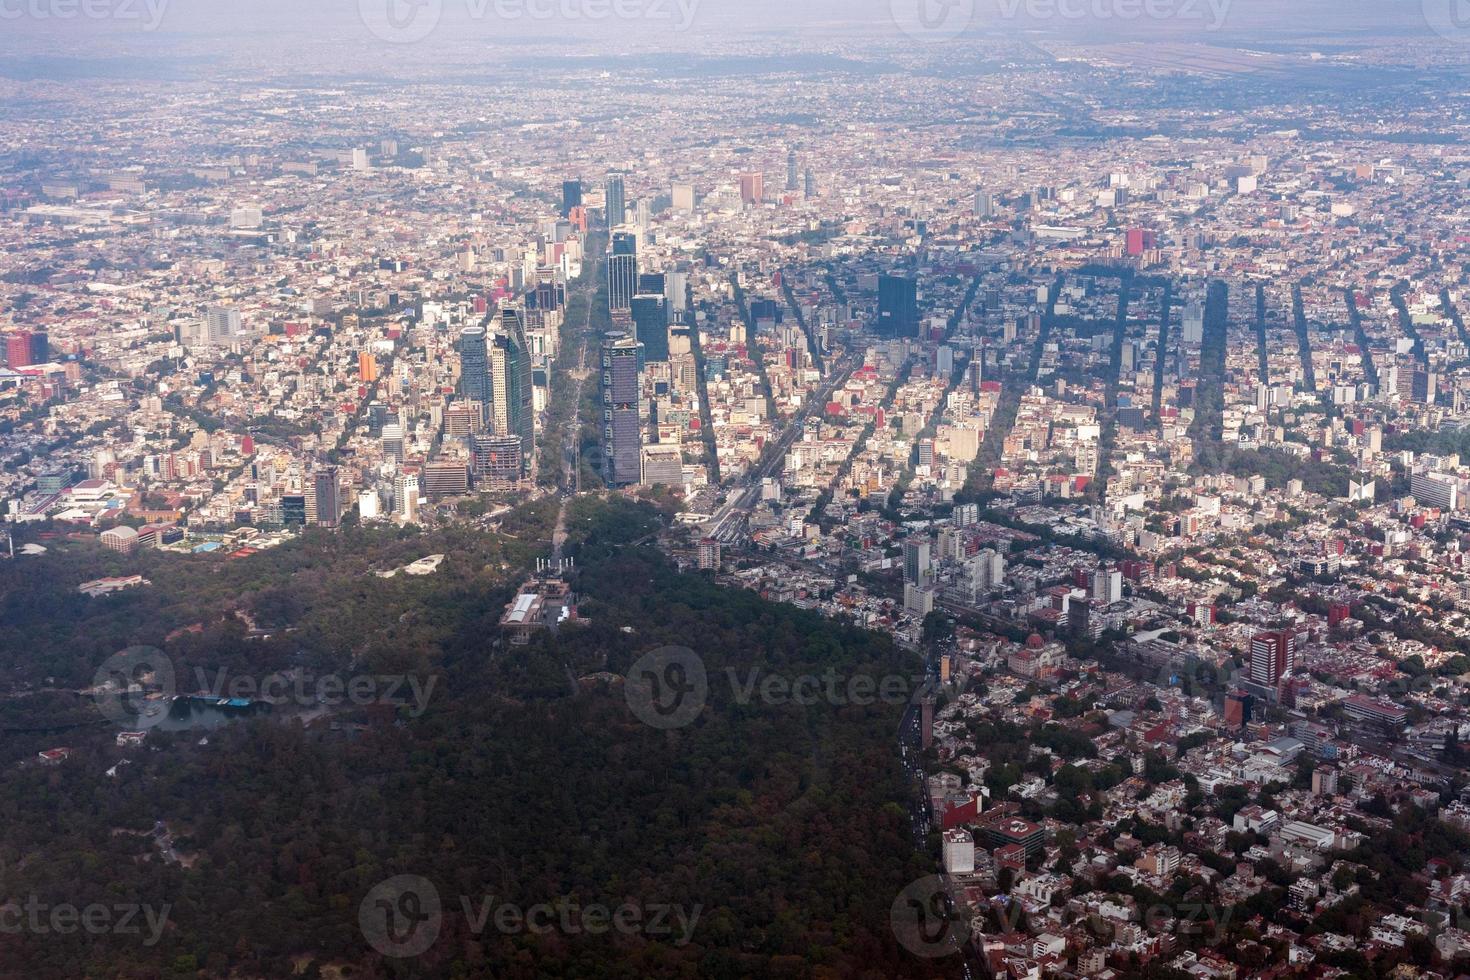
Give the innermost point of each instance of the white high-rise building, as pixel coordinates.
(222, 324)
(959, 852)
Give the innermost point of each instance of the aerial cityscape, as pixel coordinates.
(690, 488)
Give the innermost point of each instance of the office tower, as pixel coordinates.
(622, 272)
(811, 185)
(293, 510)
(1141, 240)
(222, 324)
(328, 497)
(367, 367)
(651, 325)
(1273, 656)
(446, 478)
(916, 570)
(617, 200)
(1435, 490)
(791, 171)
(676, 291)
(1425, 386)
(18, 349)
(393, 443)
(984, 203)
(511, 382)
(683, 197)
(474, 370)
(571, 197)
(898, 307)
(752, 188)
(407, 494)
(1194, 322)
(496, 460)
(462, 419)
(1238, 705)
(1107, 585)
(651, 282)
(26, 347)
(622, 431)
(944, 361)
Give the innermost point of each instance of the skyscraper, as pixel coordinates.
(916, 569)
(1273, 656)
(617, 200)
(571, 196)
(984, 203)
(752, 188)
(792, 176)
(651, 325)
(223, 323)
(474, 370)
(811, 184)
(1425, 386)
(515, 403)
(622, 430)
(622, 272)
(328, 497)
(18, 349)
(496, 460)
(898, 306)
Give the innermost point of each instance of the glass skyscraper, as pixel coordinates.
(622, 428)
(622, 272)
(651, 323)
(617, 200)
(898, 307)
(474, 370)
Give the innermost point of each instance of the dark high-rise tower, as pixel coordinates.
(513, 354)
(622, 272)
(328, 500)
(571, 196)
(617, 200)
(791, 171)
(474, 370)
(651, 323)
(622, 430)
(898, 306)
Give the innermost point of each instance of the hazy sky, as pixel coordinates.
(610, 23)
